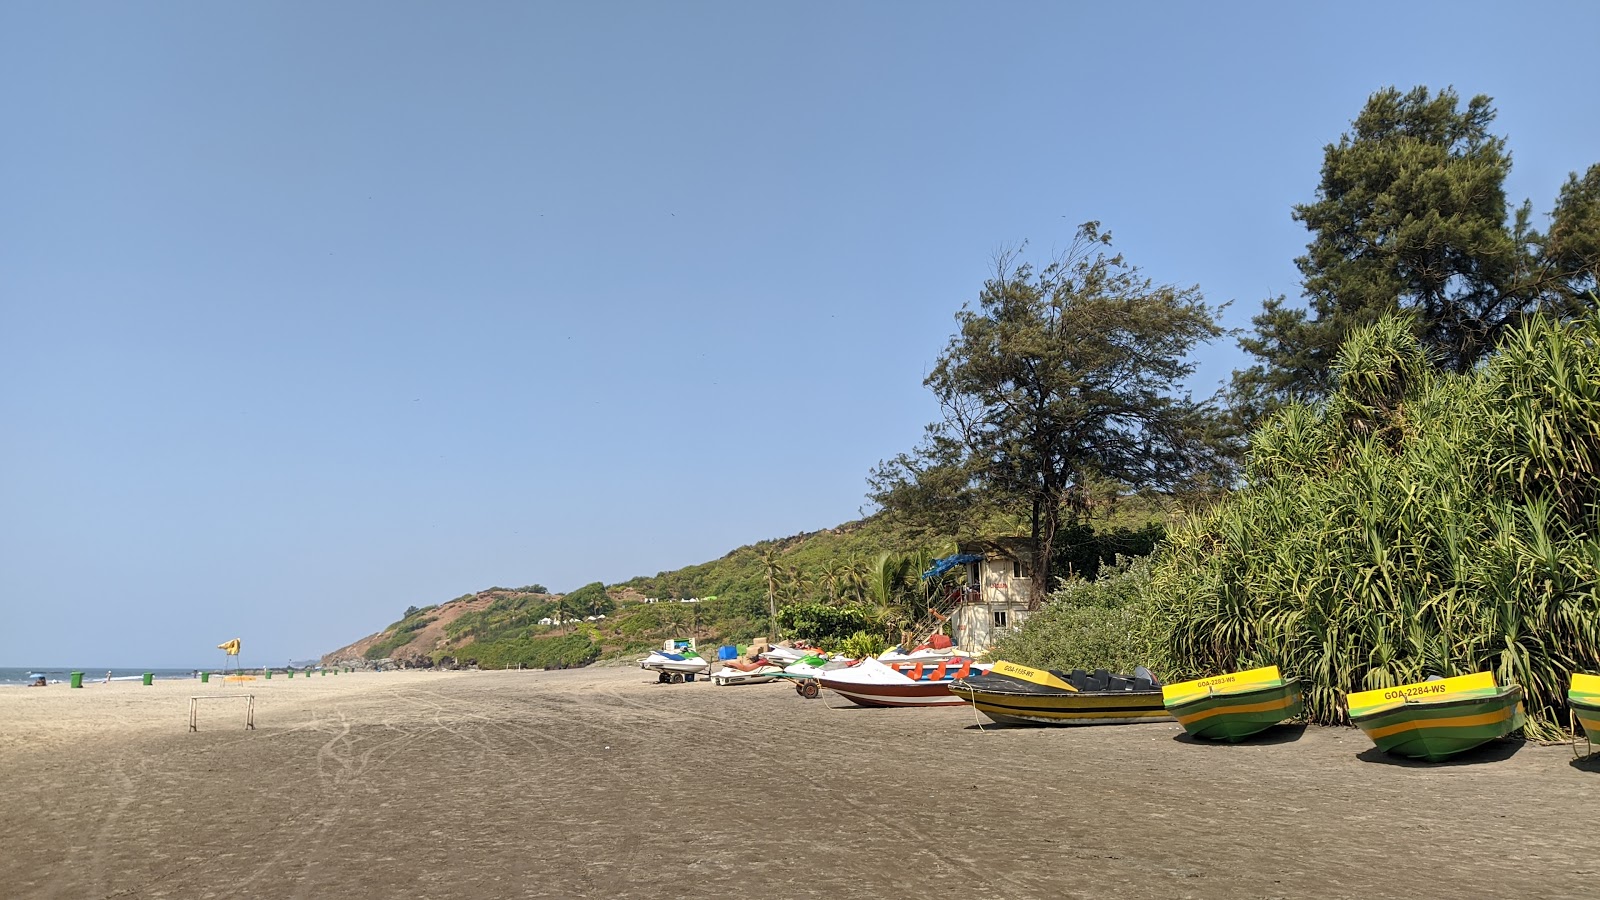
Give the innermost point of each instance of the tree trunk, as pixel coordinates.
(1044, 539)
(772, 610)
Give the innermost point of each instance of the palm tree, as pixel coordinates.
(853, 582)
(887, 587)
(772, 567)
(799, 584)
(832, 580)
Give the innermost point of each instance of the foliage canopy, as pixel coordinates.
(1411, 216)
(1061, 377)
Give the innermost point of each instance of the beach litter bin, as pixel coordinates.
(205, 678)
(77, 679)
(267, 674)
(291, 673)
(149, 678)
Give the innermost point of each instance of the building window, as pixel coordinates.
(1000, 618)
(1019, 569)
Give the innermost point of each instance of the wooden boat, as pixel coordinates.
(1584, 699)
(873, 683)
(1234, 706)
(1018, 695)
(1437, 719)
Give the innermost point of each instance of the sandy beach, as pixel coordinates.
(598, 783)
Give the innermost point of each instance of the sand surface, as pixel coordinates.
(597, 784)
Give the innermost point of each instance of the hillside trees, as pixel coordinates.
(1411, 216)
(1061, 376)
(589, 600)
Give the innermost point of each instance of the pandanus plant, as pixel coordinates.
(1415, 524)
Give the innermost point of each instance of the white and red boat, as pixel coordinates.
(872, 683)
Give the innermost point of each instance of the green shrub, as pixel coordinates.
(386, 647)
(565, 651)
(820, 623)
(1101, 624)
(863, 644)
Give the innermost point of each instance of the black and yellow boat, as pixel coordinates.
(1234, 706)
(1018, 695)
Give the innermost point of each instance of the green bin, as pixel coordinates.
(205, 678)
(267, 673)
(291, 673)
(150, 678)
(77, 679)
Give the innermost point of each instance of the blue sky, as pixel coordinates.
(311, 312)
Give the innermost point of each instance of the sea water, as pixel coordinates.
(11, 677)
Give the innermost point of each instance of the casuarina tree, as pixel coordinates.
(1411, 217)
(1061, 376)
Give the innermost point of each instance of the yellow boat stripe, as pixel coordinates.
(1073, 713)
(1264, 706)
(1487, 718)
(1064, 701)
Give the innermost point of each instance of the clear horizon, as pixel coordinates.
(316, 313)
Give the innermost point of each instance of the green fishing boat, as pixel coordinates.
(1584, 699)
(1234, 706)
(1435, 720)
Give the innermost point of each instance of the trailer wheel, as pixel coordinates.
(810, 690)
(662, 678)
(677, 678)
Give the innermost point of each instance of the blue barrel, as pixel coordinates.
(727, 651)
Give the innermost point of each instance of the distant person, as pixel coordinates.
(108, 676)
(38, 682)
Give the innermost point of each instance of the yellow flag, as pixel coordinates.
(231, 646)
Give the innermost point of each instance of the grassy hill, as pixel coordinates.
(501, 626)
(835, 566)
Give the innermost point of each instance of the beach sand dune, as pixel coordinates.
(596, 783)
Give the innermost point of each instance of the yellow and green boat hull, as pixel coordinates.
(1584, 700)
(1436, 730)
(1233, 715)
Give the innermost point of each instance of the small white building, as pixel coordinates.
(996, 596)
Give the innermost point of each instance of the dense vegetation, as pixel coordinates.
(1420, 494)
(1410, 215)
(1091, 624)
(561, 651)
(1417, 523)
